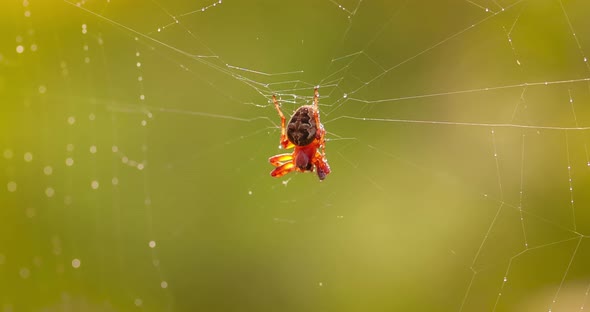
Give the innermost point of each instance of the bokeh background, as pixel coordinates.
(134, 139)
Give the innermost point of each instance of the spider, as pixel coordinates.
(306, 134)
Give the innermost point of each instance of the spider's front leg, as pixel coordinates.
(278, 160)
(283, 169)
(316, 106)
(284, 139)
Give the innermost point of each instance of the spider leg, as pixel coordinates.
(280, 159)
(316, 95)
(284, 140)
(283, 169)
(316, 114)
(321, 132)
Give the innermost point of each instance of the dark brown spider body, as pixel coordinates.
(302, 127)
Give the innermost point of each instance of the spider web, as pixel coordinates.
(135, 140)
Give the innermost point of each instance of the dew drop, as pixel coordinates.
(8, 154)
(11, 186)
(24, 273)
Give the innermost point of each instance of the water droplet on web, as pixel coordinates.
(138, 302)
(20, 49)
(94, 184)
(249, 192)
(505, 279)
(24, 273)
(152, 244)
(164, 284)
(28, 157)
(42, 89)
(49, 192)
(71, 120)
(93, 149)
(8, 154)
(11, 186)
(69, 161)
(30, 212)
(76, 263)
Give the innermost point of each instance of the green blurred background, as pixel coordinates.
(135, 137)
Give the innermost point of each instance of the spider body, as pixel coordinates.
(302, 128)
(305, 134)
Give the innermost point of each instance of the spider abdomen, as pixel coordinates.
(302, 128)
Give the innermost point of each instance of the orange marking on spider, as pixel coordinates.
(306, 134)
